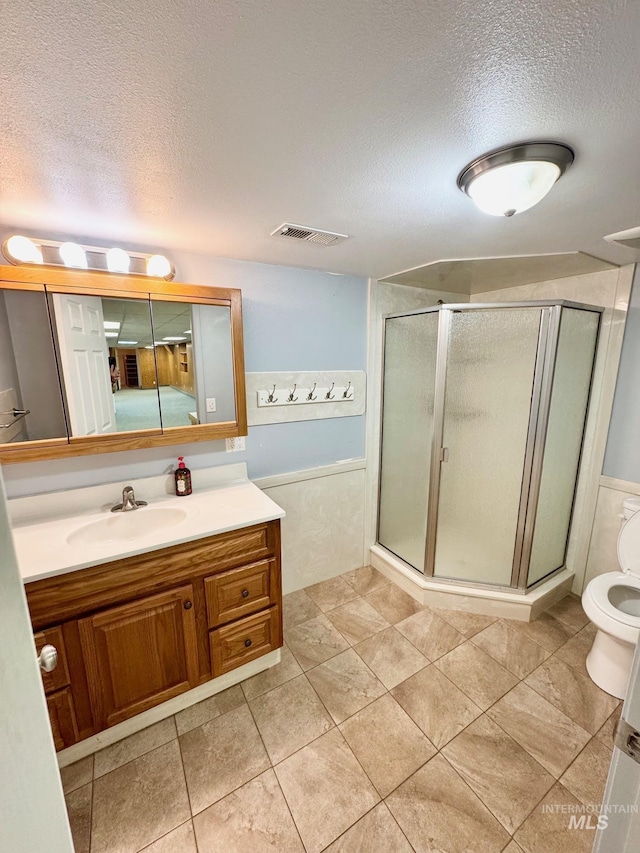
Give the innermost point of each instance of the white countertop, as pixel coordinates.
(223, 499)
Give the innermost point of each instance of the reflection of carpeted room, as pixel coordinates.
(138, 408)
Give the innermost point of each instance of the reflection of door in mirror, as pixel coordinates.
(176, 368)
(108, 366)
(28, 371)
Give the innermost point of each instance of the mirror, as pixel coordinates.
(100, 362)
(108, 371)
(194, 358)
(28, 371)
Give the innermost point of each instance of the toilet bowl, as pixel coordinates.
(612, 603)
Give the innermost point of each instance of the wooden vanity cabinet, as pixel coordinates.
(136, 632)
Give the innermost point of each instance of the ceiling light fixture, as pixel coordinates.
(111, 324)
(127, 343)
(513, 179)
(35, 250)
(174, 338)
(111, 334)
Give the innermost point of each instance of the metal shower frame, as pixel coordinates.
(542, 387)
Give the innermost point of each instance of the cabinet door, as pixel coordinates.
(62, 718)
(140, 654)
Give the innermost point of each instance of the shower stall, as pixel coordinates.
(483, 418)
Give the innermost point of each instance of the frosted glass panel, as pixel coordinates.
(492, 357)
(409, 382)
(569, 399)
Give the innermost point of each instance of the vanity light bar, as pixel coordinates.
(20, 250)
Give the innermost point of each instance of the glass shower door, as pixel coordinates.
(487, 404)
(407, 434)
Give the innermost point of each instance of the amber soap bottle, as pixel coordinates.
(183, 478)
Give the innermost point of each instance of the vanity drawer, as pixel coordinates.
(62, 718)
(242, 641)
(239, 592)
(59, 677)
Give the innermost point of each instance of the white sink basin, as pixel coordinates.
(127, 526)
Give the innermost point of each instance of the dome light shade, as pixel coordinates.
(22, 250)
(73, 255)
(159, 266)
(514, 179)
(118, 260)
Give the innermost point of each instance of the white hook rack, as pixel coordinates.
(313, 395)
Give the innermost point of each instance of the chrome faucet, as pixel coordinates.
(129, 501)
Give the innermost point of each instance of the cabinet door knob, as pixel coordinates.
(48, 658)
(247, 643)
(188, 605)
(245, 593)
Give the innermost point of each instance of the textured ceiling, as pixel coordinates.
(200, 125)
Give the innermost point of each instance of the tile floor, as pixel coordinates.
(388, 726)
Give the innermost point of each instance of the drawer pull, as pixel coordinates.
(245, 593)
(48, 658)
(188, 605)
(247, 643)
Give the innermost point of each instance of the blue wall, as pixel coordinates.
(294, 319)
(622, 459)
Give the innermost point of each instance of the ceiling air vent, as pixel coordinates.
(309, 235)
(630, 239)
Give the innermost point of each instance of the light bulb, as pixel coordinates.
(23, 250)
(118, 260)
(159, 266)
(73, 255)
(513, 187)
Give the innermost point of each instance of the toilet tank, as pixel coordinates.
(630, 507)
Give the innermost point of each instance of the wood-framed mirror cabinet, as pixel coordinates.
(94, 362)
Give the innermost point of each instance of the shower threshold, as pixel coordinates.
(502, 603)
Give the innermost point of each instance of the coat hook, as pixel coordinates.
(329, 395)
(345, 393)
(310, 395)
(291, 398)
(271, 398)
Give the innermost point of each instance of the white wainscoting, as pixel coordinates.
(603, 556)
(323, 532)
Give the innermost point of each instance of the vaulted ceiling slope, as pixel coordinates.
(202, 126)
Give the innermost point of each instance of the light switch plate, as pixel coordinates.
(211, 404)
(234, 444)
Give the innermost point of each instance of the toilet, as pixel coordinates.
(612, 603)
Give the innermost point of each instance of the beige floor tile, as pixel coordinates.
(575, 651)
(573, 693)
(513, 650)
(569, 610)
(357, 620)
(393, 603)
(331, 593)
(315, 641)
(467, 623)
(391, 657)
(365, 579)
(551, 832)
(513, 848)
(297, 607)
(76, 775)
(345, 684)
(253, 819)
(430, 634)
(289, 717)
(134, 746)
(220, 756)
(287, 669)
(376, 832)
(606, 734)
(587, 776)
(438, 812)
(180, 840)
(79, 811)
(209, 708)
(505, 777)
(477, 674)
(436, 705)
(387, 743)
(548, 632)
(139, 802)
(326, 789)
(546, 733)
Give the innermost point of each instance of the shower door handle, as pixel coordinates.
(444, 454)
